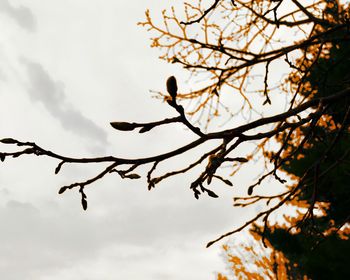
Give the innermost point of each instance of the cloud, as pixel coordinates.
(22, 15)
(4, 192)
(43, 243)
(52, 95)
(68, 244)
(2, 76)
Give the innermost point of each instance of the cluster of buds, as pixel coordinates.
(214, 163)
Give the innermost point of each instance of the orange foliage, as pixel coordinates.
(254, 262)
(221, 277)
(221, 48)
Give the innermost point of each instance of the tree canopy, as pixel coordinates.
(233, 51)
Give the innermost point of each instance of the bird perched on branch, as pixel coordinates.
(171, 87)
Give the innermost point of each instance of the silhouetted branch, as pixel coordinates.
(228, 52)
(125, 126)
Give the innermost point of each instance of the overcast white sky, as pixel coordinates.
(67, 69)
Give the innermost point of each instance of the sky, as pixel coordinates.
(67, 69)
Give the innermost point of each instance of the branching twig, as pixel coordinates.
(212, 7)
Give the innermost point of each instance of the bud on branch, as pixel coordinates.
(171, 87)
